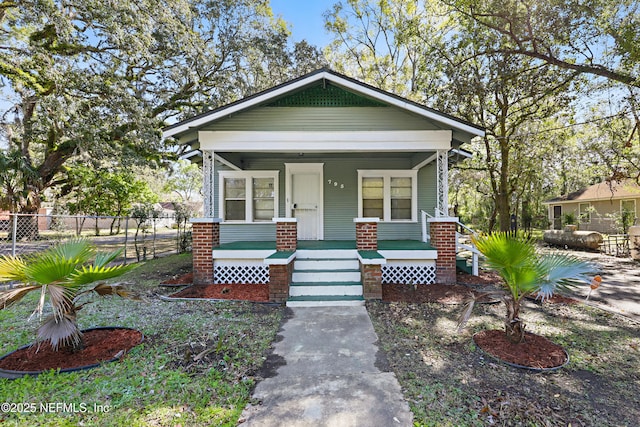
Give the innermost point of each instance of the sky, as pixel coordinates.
(305, 19)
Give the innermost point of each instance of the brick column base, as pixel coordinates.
(206, 236)
(279, 280)
(371, 281)
(443, 238)
(286, 234)
(366, 234)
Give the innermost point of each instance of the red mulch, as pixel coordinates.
(99, 345)
(258, 293)
(484, 278)
(535, 352)
(185, 279)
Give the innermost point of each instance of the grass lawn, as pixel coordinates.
(449, 382)
(197, 366)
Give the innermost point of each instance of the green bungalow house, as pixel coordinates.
(324, 187)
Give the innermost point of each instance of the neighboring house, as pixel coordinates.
(324, 163)
(599, 207)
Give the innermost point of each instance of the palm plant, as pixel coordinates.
(62, 274)
(526, 272)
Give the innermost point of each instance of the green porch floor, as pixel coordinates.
(396, 245)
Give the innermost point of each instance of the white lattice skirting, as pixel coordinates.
(409, 274)
(239, 274)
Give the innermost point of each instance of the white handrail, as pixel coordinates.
(471, 248)
(426, 236)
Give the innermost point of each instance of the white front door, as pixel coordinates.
(304, 198)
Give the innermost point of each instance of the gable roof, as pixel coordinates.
(608, 190)
(322, 75)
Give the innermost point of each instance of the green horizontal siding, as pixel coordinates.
(247, 232)
(322, 119)
(340, 201)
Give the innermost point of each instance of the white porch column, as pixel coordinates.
(208, 171)
(442, 196)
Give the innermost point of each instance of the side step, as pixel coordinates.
(325, 301)
(462, 265)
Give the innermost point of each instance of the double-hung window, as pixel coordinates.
(390, 195)
(584, 213)
(248, 196)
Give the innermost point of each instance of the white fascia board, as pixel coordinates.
(246, 104)
(347, 141)
(358, 88)
(407, 106)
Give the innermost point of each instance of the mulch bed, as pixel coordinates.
(99, 345)
(535, 352)
(185, 279)
(242, 292)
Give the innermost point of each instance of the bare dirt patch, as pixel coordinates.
(437, 292)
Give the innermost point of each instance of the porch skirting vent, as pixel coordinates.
(409, 274)
(239, 274)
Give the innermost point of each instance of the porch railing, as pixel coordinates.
(463, 230)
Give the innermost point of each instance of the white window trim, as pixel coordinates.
(386, 175)
(588, 212)
(635, 207)
(248, 176)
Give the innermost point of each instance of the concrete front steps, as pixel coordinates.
(326, 278)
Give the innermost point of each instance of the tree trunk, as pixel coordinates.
(513, 326)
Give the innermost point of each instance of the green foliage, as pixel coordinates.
(98, 80)
(564, 33)
(569, 218)
(157, 382)
(474, 59)
(60, 274)
(526, 273)
(185, 179)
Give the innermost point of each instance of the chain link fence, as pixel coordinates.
(140, 238)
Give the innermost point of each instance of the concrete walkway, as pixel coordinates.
(327, 371)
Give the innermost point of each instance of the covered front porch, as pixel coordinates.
(319, 272)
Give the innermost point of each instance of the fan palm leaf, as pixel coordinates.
(59, 332)
(60, 273)
(91, 273)
(11, 296)
(104, 258)
(513, 259)
(12, 269)
(561, 272)
(80, 250)
(526, 272)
